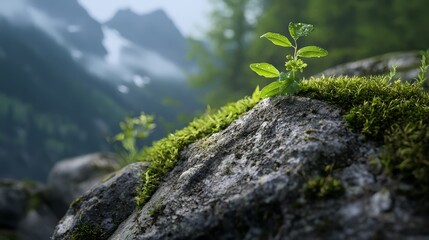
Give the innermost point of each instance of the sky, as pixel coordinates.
(190, 16)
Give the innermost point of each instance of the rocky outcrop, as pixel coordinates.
(71, 178)
(288, 169)
(98, 213)
(24, 211)
(30, 210)
(407, 66)
(13, 203)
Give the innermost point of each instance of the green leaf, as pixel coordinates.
(273, 89)
(119, 137)
(256, 94)
(265, 70)
(298, 30)
(312, 51)
(292, 88)
(288, 77)
(277, 39)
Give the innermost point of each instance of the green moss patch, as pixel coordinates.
(164, 153)
(322, 188)
(394, 114)
(87, 232)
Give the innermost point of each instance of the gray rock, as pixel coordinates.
(38, 224)
(97, 214)
(71, 178)
(251, 181)
(407, 66)
(25, 212)
(13, 203)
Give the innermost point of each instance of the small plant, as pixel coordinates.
(132, 130)
(424, 65)
(287, 83)
(391, 77)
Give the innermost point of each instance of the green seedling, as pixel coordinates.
(287, 83)
(391, 77)
(132, 130)
(424, 65)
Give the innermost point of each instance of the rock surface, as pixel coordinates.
(39, 223)
(98, 213)
(13, 203)
(24, 211)
(407, 66)
(30, 210)
(70, 178)
(252, 181)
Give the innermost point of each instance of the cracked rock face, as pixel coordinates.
(248, 182)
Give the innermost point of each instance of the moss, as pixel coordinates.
(87, 232)
(311, 138)
(156, 210)
(406, 154)
(34, 201)
(164, 153)
(35, 195)
(322, 188)
(108, 177)
(75, 202)
(394, 114)
(371, 105)
(228, 170)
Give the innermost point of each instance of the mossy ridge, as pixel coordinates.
(394, 114)
(164, 153)
(373, 105)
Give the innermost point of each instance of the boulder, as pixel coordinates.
(24, 211)
(289, 168)
(38, 224)
(248, 181)
(97, 214)
(13, 203)
(407, 66)
(70, 178)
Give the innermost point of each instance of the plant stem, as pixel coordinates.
(295, 55)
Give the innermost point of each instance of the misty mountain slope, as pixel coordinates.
(78, 29)
(51, 107)
(60, 96)
(154, 31)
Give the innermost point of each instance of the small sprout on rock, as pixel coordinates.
(132, 130)
(424, 67)
(287, 83)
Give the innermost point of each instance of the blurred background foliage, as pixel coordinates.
(348, 29)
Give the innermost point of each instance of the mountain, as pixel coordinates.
(77, 28)
(50, 107)
(61, 96)
(154, 31)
